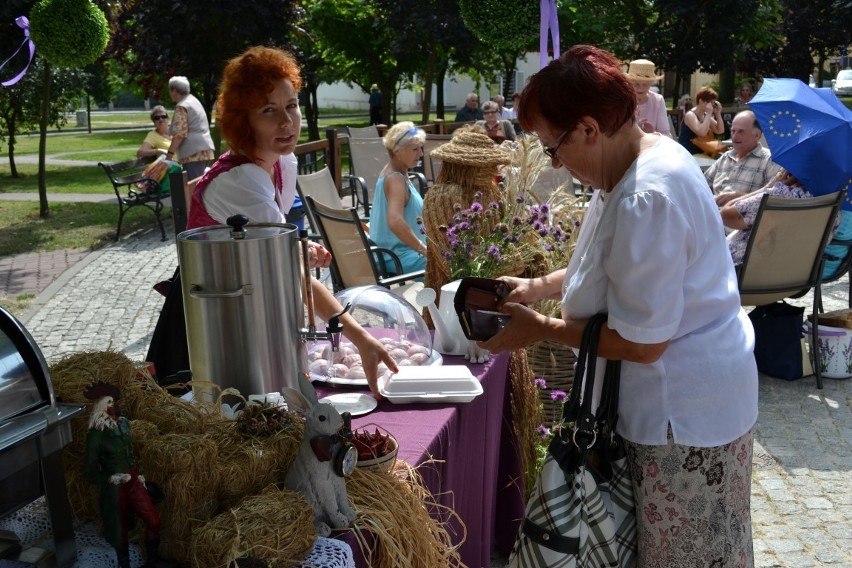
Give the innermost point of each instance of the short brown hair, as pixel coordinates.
(585, 81)
(245, 83)
(706, 94)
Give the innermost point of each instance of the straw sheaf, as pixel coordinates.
(471, 149)
(275, 526)
(184, 467)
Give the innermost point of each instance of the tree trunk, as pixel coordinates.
(309, 88)
(89, 112)
(13, 169)
(427, 87)
(439, 91)
(508, 72)
(727, 85)
(43, 211)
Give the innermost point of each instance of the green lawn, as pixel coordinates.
(70, 225)
(60, 179)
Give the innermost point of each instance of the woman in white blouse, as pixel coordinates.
(651, 254)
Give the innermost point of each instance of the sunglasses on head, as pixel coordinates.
(161, 117)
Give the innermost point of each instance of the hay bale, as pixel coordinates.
(171, 414)
(275, 526)
(247, 464)
(184, 467)
(395, 509)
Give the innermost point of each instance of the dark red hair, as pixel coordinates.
(584, 81)
(245, 83)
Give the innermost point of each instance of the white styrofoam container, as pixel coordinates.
(447, 383)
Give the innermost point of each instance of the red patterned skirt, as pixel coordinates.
(693, 504)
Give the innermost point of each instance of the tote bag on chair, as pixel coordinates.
(581, 512)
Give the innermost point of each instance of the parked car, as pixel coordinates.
(842, 84)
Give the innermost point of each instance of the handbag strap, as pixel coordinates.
(580, 411)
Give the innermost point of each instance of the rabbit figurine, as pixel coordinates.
(322, 460)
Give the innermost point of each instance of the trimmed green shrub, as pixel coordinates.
(69, 33)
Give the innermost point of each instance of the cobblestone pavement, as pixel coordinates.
(802, 486)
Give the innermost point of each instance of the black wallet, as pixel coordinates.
(476, 306)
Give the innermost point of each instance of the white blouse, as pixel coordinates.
(653, 255)
(248, 189)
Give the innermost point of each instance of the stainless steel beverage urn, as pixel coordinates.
(243, 305)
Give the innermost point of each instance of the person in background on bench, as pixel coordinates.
(158, 141)
(190, 130)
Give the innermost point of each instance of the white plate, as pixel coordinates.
(355, 403)
(435, 360)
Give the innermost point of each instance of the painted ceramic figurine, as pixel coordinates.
(110, 464)
(325, 457)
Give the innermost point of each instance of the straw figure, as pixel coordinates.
(469, 163)
(110, 463)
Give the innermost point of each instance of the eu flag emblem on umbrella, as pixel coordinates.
(809, 134)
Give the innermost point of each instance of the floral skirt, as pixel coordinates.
(693, 504)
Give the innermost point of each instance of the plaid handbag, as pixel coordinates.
(581, 512)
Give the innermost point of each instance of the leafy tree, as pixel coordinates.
(68, 33)
(359, 46)
(812, 29)
(510, 31)
(156, 39)
(20, 104)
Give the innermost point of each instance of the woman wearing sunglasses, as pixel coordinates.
(157, 141)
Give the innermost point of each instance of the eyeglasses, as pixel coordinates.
(161, 117)
(489, 112)
(550, 151)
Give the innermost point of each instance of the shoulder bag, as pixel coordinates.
(581, 512)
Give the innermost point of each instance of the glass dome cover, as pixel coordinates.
(387, 317)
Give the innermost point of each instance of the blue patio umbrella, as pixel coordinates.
(808, 133)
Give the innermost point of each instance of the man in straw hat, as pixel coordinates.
(110, 464)
(651, 113)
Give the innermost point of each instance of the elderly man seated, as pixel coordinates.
(746, 167)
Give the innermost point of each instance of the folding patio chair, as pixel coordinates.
(367, 157)
(365, 132)
(784, 255)
(320, 185)
(355, 260)
(431, 166)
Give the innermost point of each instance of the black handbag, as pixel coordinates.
(581, 512)
(778, 339)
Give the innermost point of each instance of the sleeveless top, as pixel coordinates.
(381, 233)
(685, 137)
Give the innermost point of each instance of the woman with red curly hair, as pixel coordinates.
(258, 113)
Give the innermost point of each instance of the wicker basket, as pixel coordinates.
(554, 362)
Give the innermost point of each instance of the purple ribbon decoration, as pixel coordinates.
(24, 24)
(549, 22)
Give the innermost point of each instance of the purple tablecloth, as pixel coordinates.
(477, 469)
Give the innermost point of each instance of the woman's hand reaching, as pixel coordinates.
(318, 257)
(372, 353)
